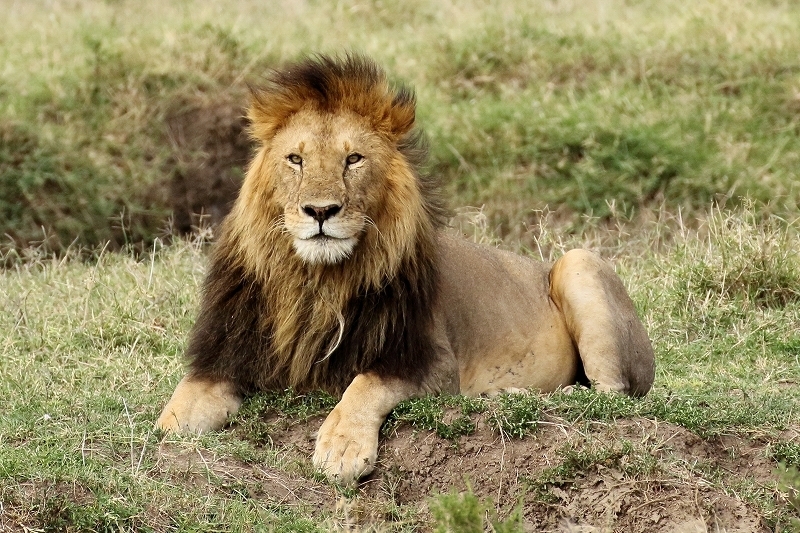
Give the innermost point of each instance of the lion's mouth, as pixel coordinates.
(324, 248)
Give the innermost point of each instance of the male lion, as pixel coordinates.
(333, 272)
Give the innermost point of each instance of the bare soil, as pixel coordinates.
(682, 492)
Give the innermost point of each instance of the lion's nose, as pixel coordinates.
(321, 214)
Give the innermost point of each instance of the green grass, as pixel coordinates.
(465, 513)
(89, 350)
(429, 414)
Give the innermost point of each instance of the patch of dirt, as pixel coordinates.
(211, 150)
(28, 505)
(678, 491)
(205, 470)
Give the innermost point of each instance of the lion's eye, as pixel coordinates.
(352, 159)
(295, 159)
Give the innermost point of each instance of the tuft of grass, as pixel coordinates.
(516, 415)
(577, 459)
(791, 482)
(581, 404)
(289, 404)
(102, 515)
(251, 418)
(465, 513)
(747, 260)
(429, 413)
(708, 413)
(458, 513)
(787, 453)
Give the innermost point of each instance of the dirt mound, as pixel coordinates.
(632, 475)
(211, 150)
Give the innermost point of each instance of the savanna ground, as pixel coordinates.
(664, 135)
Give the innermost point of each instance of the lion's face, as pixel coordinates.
(328, 171)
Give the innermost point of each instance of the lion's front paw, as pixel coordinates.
(346, 449)
(198, 406)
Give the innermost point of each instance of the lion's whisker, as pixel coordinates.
(369, 222)
(278, 224)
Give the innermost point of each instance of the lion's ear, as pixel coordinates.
(402, 112)
(262, 125)
(269, 110)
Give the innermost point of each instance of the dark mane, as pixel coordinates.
(388, 331)
(331, 84)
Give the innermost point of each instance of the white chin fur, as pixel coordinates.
(328, 250)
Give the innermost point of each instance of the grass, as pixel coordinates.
(94, 345)
(663, 135)
(465, 513)
(90, 351)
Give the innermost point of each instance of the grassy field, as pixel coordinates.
(92, 351)
(662, 134)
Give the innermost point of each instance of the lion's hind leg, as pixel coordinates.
(613, 345)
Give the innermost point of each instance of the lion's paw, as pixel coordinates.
(346, 450)
(198, 407)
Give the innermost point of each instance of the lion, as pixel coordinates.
(334, 270)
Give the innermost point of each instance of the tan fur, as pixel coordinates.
(487, 321)
(198, 406)
(347, 442)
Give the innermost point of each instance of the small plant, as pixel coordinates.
(294, 405)
(289, 405)
(101, 515)
(465, 513)
(516, 415)
(577, 459)
(590, 404)
(428, 413)
(790, 481)
(787, 453)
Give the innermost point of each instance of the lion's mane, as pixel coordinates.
(268, 320)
